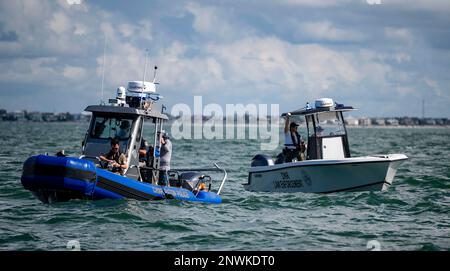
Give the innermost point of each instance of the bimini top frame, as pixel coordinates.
(310, 111)
(328, 143)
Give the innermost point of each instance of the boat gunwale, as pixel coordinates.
(323, 162)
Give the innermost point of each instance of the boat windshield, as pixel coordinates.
(111, 127)
(329, 124)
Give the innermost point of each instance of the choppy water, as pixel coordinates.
(413, 215)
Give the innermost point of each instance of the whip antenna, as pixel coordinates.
(145, 70)
(154, 75)
(103, 68)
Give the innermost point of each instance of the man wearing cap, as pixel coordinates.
(164, 161)
(294, 145)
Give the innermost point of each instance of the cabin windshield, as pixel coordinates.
(329, 124)
(111, 127)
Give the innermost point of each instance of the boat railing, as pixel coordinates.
(90, 157)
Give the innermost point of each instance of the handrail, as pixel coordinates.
(224, 178)
(85, 156)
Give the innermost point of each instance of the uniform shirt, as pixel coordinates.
(120, 159)
(165, 155)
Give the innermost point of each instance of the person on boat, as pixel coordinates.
(146, 154)
(124, 129)
(117, 159)
(99, 128)
(143, 150)
(165, 155)
(294, 146)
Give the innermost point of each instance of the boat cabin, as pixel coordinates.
(124, 119)
(326, 131)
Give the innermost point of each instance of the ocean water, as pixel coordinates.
(414, 214)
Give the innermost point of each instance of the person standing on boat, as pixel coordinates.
(117, 160)
(294, 146)
(164, 160)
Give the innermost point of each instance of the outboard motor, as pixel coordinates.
(280, 159)
(261, 160)
(190, 179)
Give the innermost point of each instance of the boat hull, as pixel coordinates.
(55, 179)
(326, 176)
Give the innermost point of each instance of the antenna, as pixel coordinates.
(423, 108)
(154, 74)
(103, 68)
(145, 70)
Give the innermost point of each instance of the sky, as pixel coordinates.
(384, 57)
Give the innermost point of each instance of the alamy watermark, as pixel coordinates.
(237, 121)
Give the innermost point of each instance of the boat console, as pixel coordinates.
(124, 119)
(327, 134)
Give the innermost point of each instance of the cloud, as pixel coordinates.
(208, 21)
(74, 73)
(434, 86)
(399, 35)
(272, 64)
(23, 70)
(60, 23)
(7, 35)
(313, 3)
(141, 29)
(439, 6)
(325, 30)
(74, 2)
(267, 51)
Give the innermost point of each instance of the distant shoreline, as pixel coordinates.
(249, 125)
(402, 126)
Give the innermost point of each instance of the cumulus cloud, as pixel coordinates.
(74, 73)
(208, 21)
(325, 30)
(399, 34)
(313, 3)
(285, 53)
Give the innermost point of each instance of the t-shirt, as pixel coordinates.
(165, 155)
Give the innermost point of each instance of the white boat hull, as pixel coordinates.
(371, 173)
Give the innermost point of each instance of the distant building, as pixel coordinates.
(429, 122)
(34, 116)
(364, 122)
(351, 121)
(379, 122)
(392, 122)
(49, 117)
(2, 114)
(18, 115)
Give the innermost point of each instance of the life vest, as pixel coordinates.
(292, 140)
